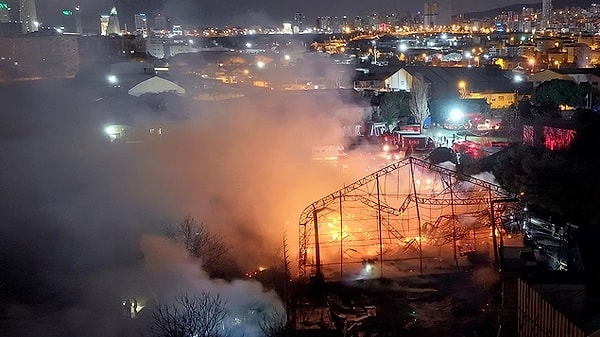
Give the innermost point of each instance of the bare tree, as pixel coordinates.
(274, 324)
(189, 316)
(198, 241)
(419, 100)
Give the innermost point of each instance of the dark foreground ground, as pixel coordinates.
(455, 303)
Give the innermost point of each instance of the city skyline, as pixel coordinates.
(204, 13)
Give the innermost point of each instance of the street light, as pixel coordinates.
(113, 80)
(532, 64)
(462, 89)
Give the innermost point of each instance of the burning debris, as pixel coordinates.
(256, 272)
(334, 314)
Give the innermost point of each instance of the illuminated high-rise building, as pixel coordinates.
(114, 27)
(546, 13)
(359, 22)
(161, 23)
(72, 20)
(430, 13)
(323, 24)
(299, 22)
(28, 16)
(336, 25)
(374, 21)
(437, 13)
(444, 13)
(104, 24)
(391, 19)
(141, 22)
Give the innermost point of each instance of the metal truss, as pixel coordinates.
(369, 198)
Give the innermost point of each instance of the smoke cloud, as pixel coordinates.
(77, 210)
(172, 273)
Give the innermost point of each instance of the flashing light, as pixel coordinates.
(111, 130)
(112, 79)
(260, 64)
(456, 115)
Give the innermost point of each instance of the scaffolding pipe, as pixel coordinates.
(379, 229)
(453, 223)
(412, 174)
(319, 272)
(341, 240)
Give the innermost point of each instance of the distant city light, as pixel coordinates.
(260, 64)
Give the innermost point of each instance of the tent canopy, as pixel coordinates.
(156, 85)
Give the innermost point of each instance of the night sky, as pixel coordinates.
(241, 12)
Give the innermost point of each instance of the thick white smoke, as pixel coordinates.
(170, 273)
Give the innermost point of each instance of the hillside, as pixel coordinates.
(517, 8)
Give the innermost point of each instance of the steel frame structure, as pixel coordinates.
(380, 210)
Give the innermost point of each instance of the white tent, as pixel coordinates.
(156, 85)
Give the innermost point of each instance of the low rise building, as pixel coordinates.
(39, 56)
